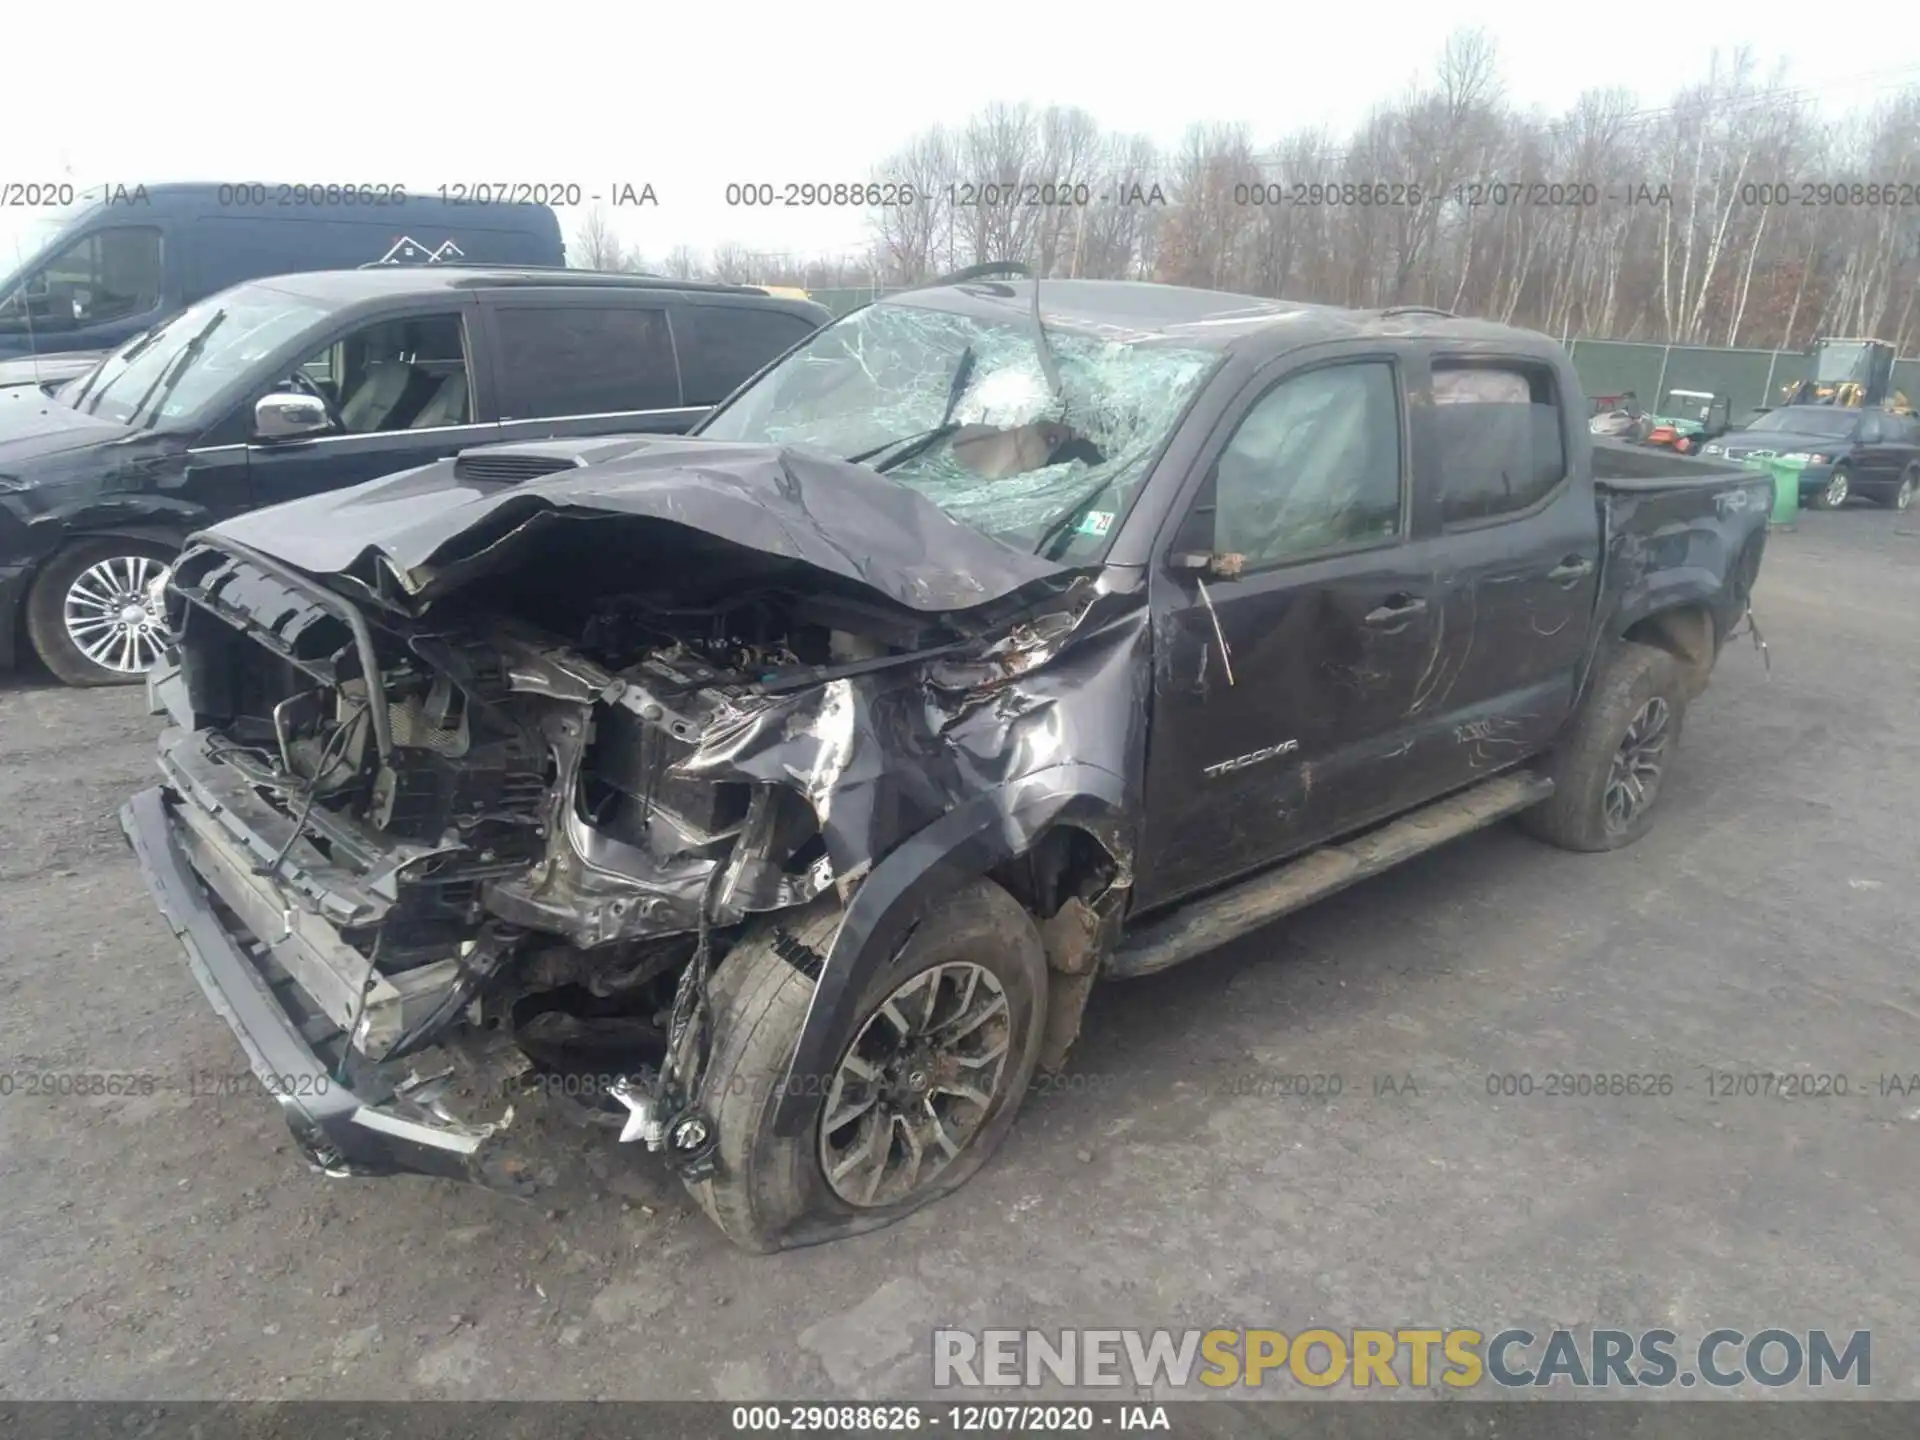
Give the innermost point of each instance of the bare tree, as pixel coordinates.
(683, 263)
(913, 237)
(1723, 211)
(731, 264)
(596, 246)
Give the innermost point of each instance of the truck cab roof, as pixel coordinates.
(1244, 325)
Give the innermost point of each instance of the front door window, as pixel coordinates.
(405, 374)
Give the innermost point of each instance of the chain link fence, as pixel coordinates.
(1748, 378)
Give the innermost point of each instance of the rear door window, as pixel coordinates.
(1498, 432)
(571, 359)
(721, 345)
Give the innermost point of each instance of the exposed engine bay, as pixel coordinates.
(536, 809)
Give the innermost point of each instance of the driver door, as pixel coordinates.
(1282, 687)
(402, 391)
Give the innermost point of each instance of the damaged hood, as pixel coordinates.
(441, 526)
(33, 424)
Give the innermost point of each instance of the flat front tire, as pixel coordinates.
(940, 1053)
(1607, 774)
(89, 616)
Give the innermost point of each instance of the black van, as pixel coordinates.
(282, 387)
(122, 258)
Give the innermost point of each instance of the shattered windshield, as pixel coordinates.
(960, 409)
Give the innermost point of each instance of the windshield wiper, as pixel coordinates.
(132, 352)
(926, 439)
(914, 445)
(171, 377)
(1049, 547)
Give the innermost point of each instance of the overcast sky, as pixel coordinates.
(688, 100)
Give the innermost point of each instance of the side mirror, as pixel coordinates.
(286, 416)
(1192, 550)
(1216, 567)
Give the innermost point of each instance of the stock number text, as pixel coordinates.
(290, 196)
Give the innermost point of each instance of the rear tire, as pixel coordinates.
(84, 598)
(772, 1192)
(1835, 493)
(1901, 496)
(1607, 774)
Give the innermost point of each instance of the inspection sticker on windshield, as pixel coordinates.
(1097, 522)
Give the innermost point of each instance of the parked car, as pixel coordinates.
(283, 387)
(784, 789)
(123, 258)
(1839, 451)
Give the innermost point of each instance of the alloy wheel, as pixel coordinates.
(1634, 774)
(109, 616)
(1836, 491)
(916, 1084)
(1903, 497)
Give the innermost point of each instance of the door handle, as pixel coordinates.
(1574, 567)
(1397, 611)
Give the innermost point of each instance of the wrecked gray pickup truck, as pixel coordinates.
(785, 789)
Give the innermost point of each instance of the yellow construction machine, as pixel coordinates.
(1851, 373)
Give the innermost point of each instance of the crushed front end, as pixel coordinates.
(426, 864)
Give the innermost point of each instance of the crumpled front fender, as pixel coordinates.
(962, 845)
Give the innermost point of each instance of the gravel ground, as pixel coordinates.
(174, 1246)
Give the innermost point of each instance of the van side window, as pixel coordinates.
(401, 374)
(1498, 433)
(1313, 466)
(584, 360)
(721, 345)
(107, 275)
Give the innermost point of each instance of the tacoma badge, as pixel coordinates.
(1254, 757)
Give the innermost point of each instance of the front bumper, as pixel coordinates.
(385, 1119)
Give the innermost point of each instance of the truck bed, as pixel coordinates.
(1623, 465)
(1677, 531)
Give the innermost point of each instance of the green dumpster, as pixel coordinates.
(1786, 486)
